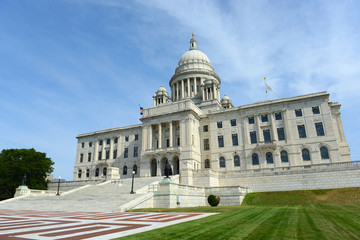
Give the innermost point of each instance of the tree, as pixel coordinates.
(15, 163)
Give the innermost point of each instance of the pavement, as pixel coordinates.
(55, 225)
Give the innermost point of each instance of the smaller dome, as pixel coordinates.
(161, 89)
(225, 99)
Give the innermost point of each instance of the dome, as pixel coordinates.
(225, 99)
(161, 89)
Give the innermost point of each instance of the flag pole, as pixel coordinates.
(266, 89)
(139, 114)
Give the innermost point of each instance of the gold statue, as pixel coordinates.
(193, 35)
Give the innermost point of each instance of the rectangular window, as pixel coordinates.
(264, 118)
(126, 152)
(136, 151)
(221, 141)
(89, 157)
(81, 157)
(267, 137)
(253, 137)
(192, 88)
(251, 120)
(136, 137)
(316, 110)
(219, 124)
(178, 141)
(197, 88)
(233, 122)
(115, 154)
(90, 144)
(278, 116)
(298, 112)
(107, 141)
(115, 140)
(99, 155)
(100, 142)
(205, 128)
(167, 142)
(319, 129)
(82, 145)
(126, 138)
(107, 153)
(206, 144)
(234, 139)
(281, 134)
(301, 130)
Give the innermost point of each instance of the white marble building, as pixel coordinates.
(206, 139)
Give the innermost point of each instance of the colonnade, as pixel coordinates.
(162, 135)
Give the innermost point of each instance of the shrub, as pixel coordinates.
(213, 200)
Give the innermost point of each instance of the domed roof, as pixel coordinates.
(225, 99)
(161, 89)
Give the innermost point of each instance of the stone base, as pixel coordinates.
(22, 191)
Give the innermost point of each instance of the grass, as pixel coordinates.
(318, 214)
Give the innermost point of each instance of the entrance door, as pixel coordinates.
(153, 167)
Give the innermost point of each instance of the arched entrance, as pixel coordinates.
(162, 165)
(176, 164)
(153, 167)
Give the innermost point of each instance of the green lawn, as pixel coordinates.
(278, 215)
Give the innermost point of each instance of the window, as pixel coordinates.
(278, 116)
(267, 137)
(79, 173)
(115, 154)
(104, 171)
(99, 155)
(192, 88)
(115, 140)
(107, 154)
(234, 139)
(136, 151)
(298, 112)
(221, 141)
(319, 129)
(205, 128)
(251, 120)
(301, 130)
(264, 118)
(82, 145)
(219, 124)
(87, 173)
(284, 156)
(222, 162)
(108, 141)
(100, 142)
(97, 172)
(126, 152)
(253, 137)
(81, 157)
(167, 142)
(269, 157)
(207, 163)
(255, 159)
(126, 138)
(206, 144)
(89, 157)
(236, 161)
(281, 134)
(324, 153)
(305, 154)
(90, 144)
(316, 110)
(233, 122)
(178, 141)
(136, 137)
(125, 170)
(135, 168)
(197, 88)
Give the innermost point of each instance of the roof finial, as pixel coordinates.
(193, 44)
(193, 35)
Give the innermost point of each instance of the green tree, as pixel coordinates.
(15, 163)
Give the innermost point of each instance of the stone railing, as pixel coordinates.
(153, 187)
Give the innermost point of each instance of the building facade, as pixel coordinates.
(204, 137)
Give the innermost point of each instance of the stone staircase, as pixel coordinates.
(108, 196)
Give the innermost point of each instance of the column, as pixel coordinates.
(150, 146)
(246, 131)
(189, 89)
(273, 127)
(111, 149)
(203, 94)
(154, 102)
(144, 138)
(96, 153)
(195, 86)
(182, 89)
(258, 129)
(170, 135)
(214, 91)
(177, 91)
(288, 135)
(160, 136)
(172, 92)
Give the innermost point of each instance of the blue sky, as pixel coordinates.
(71, 67)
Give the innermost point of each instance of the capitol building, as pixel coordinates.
(210, 142)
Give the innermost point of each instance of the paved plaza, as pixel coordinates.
(41, 225)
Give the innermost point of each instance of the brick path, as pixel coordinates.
(41, 225)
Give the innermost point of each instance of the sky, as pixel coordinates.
(69, 67)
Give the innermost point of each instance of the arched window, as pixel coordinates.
(79, 173)
(87, 173)
(97, 172)
(236, 161)
(125, 170)
(255, 159)
(135, 168)
(222, 162)
(284, 156)
(324, 153)
(207, 163)
(269, 157)
(305, 154)
(104, 171)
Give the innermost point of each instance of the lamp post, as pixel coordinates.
(132, 184)
(58, 192)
